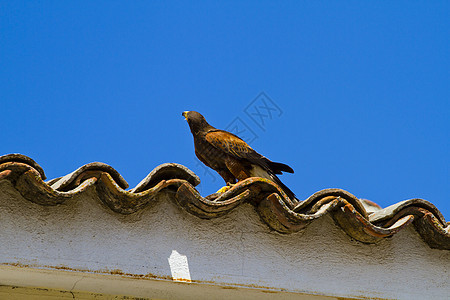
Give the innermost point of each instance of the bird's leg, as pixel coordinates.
(229, 180)
(239, 170)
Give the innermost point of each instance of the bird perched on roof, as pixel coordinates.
(230, 156)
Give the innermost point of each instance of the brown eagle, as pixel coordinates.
(230, 156)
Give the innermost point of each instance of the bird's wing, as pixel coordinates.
(231, 144)
(236, 147)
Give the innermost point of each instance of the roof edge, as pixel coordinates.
(278, 211)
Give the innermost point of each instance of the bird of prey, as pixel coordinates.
(230, 156)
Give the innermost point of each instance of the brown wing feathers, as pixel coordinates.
(235, 146)
(228, 143)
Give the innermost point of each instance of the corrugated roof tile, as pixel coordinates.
(278, 211)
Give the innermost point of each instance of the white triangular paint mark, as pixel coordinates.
(179, 267)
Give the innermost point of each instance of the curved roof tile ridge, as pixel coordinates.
(278, 211)
(94, 169)
(17, 157)
(164, 172)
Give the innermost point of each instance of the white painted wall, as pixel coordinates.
(237, 249)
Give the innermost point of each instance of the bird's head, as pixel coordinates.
(196, 121)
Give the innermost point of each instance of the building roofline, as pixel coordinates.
(278, 211)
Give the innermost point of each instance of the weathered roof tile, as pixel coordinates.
(361, 219)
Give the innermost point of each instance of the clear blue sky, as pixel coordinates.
(362, 88)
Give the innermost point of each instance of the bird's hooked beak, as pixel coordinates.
(184, 114)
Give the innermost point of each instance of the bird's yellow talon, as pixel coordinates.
(224, 189)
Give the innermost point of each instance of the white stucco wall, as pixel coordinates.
(237, 249)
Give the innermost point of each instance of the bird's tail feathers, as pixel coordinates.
(287, 191)
(280, 167)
